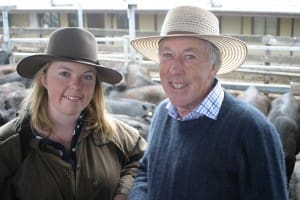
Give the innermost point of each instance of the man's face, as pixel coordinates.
(185, 71)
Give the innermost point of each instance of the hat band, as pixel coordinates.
(179, 32)
(82, 59)
(176, 33)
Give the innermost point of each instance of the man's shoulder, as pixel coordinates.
(161, 107)
(242, 111)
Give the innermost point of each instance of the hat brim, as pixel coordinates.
(30, 65)
(233, 51)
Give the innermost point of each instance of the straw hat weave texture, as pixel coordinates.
(195, 22)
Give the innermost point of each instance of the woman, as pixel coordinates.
(63, 144)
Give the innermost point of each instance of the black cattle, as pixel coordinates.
(4, 57)
(256, 98)
(285, 116)
(14, 77)
(130, 107)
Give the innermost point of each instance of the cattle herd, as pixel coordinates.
(135, 98)
(283, 112)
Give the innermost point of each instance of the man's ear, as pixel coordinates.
(213, 71)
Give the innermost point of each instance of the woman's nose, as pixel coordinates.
(75, 83)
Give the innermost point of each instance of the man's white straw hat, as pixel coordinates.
(195, 22)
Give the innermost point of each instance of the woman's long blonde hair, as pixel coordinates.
(35, 105)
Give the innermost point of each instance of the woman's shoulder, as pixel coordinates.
(124, 130)
(8, 130)
(126, 136)
(10, 148)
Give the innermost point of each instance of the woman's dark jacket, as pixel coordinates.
(104, 166)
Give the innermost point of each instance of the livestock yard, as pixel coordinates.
(272, 67)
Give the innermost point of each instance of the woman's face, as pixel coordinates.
(70, 87)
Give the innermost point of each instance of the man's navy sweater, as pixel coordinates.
(237, 156)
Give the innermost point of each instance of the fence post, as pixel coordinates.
(267, 42)
(126, 47)
(132, 5)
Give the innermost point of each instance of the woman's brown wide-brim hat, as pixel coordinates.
(195, 22)
(69, 44)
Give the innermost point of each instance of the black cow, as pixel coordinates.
(285, 116)
(256, 98)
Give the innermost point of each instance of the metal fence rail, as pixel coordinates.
(122, 56)
(265, 66)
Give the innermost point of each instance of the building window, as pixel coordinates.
(8, 20)
(265, 26)
(271, 26)
(73, 19)
(122, 21)
(230, 25)
(95, 20)
(51, 20)
(296, 27)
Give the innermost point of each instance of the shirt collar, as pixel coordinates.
(209, 107)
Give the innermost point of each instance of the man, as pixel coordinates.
(204, 143)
